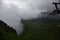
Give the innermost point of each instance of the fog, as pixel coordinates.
(12, 11)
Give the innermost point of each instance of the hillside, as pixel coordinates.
(44, 28)
(41, 29)
(6, 32)
(34, 29)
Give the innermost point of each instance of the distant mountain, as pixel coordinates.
(46, 18)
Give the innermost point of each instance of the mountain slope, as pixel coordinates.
(5, 31)
(41, 29)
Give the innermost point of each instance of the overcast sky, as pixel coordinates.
(11, 11)
(36, 4)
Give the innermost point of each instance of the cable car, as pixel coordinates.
(56, 11)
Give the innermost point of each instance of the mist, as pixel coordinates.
(12, 11)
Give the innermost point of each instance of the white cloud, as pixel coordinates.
(35, 4)
(18, 3)
(18, 9)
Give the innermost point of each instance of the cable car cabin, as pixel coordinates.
(56, 11)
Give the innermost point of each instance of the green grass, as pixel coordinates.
(35, 31)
